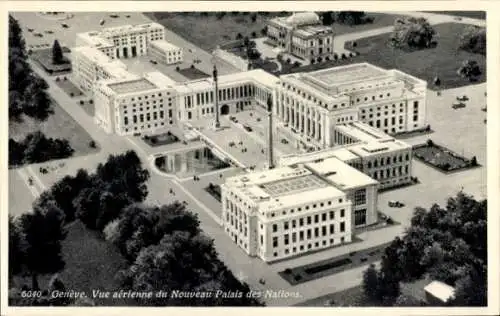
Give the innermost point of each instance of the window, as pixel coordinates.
(332, 215)
(360, 197)
(342, 227)
(294, 237)
(275, 228)
(301, 235)
(275, 242)
(286, 239)
(316, 218)
(316, 232)
(308, 220)
(308, 234)
(360, 217)
(342, 213)
(323, 217)
(323, 230)
(285, 225)
(261, 239)
(301, 222)
(332, 229)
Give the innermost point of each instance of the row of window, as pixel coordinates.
(307, 207)
(148, 117)
(387, 160)
(308, 220)
(286, 251)
(306, 234)
(380, 173)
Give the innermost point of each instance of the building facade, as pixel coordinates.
(284, 212)
(91, 65)
(166, 52)
(303, 36)
(310, 105)
(127, 41)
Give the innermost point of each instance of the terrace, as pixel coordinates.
(132, 86)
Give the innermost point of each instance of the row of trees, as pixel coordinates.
(446, 244)
(167, 251)
(164, 246)
(415, 33)
(27, 92)
(36, 148)
(345, 17)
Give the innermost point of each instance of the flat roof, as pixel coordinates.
(135, 85)
(164, 45)
(363, 132)
(257, 75)
(302, 198)
(93, 54)
(340, 174)
(160, 79)
(115, 30)
(94, 38)
(441, 290)
(345, 74)
(294, 185)
(374, 148)
(312, 30)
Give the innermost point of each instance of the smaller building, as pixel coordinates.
(438, 293)
(303, 36)
(166, 52)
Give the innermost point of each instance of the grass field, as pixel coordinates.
(58, 125)
(68, 87)
(442, 60)
(466, 14)
(440, 157)
(206, 31)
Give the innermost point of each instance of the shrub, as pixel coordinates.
(71, 94)
(335, 56)
(192, 66)
(288, 271)
(92, 144)
(239, 36)
(343, 56)
(111, 232)
(57, 79)
(430, 143)
(320, 59)
(91, 101)
(82, 102)
(298, 278)
(297, 64)
(313, 61)
(354, 44)
(327, 58)
(254, 34)
(178, 68)
(288, 60)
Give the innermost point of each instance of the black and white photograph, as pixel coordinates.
(266, 158)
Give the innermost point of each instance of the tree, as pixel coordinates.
(350, 17)
(263, 32)
(370, 282)
(17, 248)
(412, 33)
(327, 18)
(16, 152)
(470, 70)
(44, 232)
(254, 17)
(239, 36)
(184, 262)
(57, 53)
(473, 39)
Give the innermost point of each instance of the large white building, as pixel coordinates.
(91, 65)
(287, 211)
(127, 41)
(310, 105)
(302, 35)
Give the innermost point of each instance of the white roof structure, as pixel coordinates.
(440, 290)
(343, 176)
(160, 79)
(164, 45)
(302, 18)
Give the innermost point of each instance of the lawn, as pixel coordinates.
(207, 31)
(91, 263)
(68, 87)
(442, 60)
(356, 298)
(259, 63)
(441, 158)
(331, 266)
(58, 125)
(214, 190)
(44, 58)
(466, 14)
(193, 73)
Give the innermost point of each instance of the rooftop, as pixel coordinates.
(346, 74)
(93, 54)
(135, 85)
(160, 79)
(363, 132)
(94, 38)
(312, 30)
(164, 45)
(340, 174)
(373, 148)
(441, 290)
(123, 29)
(293, 186)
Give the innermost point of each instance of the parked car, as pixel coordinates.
(114, 16)
(463, 98)
(49, 32)
(484, 108)
(458, 105)
(284, 141)
(127, 16)
(102, 22)
(395, 204)
(38, 34)
(65, 25)
(153, 62)
(30, 30)
(247, 128)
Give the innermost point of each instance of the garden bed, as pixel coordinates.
(331, 266)
(214, 190)
(193, 73)
(441, 158)
(44, 58)
(68, 87)
(161, 139)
